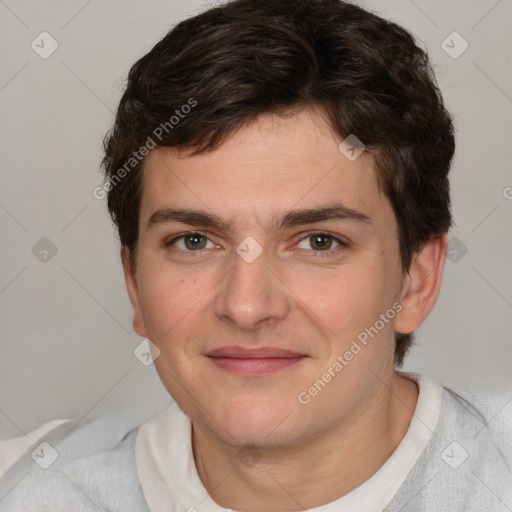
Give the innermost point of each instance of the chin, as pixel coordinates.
(261, 424)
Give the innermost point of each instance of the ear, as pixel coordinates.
(132, 288)
(421, 285)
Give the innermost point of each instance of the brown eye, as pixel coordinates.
(321, 242)
(190, 242)
(194, 242)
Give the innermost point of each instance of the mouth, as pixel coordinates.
(252, 362)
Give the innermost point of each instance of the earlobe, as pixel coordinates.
(133, 293)
(421, 285)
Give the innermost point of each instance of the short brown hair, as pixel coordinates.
(251, 57)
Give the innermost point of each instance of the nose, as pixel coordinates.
(252, 294)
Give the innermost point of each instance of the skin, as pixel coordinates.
(252, 438)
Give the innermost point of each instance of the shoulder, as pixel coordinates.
(13, 448)
(463, 467)
(474, 449)
(80, 465)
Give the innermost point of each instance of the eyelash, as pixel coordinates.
(342, 244)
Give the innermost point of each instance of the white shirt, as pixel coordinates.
(447, 461)
(165, 440)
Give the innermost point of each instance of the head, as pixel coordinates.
(239, 113)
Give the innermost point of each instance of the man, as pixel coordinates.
(278, 174)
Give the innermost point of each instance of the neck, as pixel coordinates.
(314, 473)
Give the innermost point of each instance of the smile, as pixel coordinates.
(255, 366)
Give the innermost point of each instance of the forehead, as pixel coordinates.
(270, 165)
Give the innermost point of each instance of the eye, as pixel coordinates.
(321, 242)
(191, 242)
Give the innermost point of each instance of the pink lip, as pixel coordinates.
(255, 361)
(255, 353)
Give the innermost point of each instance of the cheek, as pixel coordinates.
(168, 301)
(345, 300)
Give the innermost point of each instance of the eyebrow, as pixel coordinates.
(290, 219)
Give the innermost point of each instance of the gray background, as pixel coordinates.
(67, 341)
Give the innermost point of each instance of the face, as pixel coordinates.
(275, 239)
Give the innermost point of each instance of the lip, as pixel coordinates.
(253, 362)
(254, 353)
